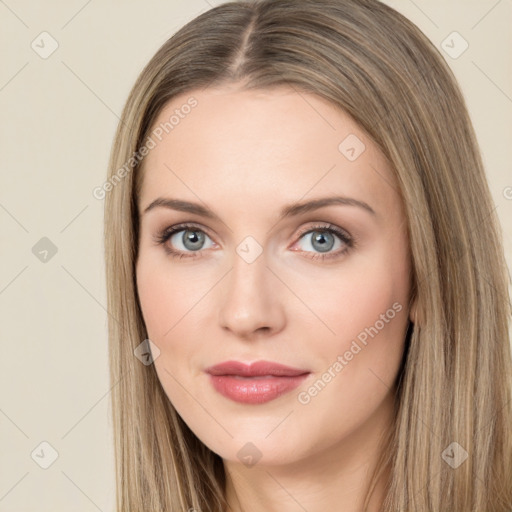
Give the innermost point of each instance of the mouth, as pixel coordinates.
(255, 383)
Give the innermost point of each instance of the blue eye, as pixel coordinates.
(323, 238)
(189, 236)
(191, 239)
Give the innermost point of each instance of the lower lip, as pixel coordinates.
(254, 390)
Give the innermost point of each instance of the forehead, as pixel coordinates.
(262, 147)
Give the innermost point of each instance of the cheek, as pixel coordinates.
(156, 299)
(361, 360)
(377, 316)
(174, 300)
(365, 308)
(164, 308)
(354, 301)
(167, 295)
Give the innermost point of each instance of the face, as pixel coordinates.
(240, 260)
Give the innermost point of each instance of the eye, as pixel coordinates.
(325, 238)
(183, 239)
(188, 240)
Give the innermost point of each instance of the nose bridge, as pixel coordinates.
(249, 300)
(248, 278)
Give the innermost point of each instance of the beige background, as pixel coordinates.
(58, 118)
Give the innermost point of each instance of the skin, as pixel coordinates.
(245, 155)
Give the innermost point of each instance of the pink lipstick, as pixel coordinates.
(255, 383)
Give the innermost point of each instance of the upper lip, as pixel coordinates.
(256, 369)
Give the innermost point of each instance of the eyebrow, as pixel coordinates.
(288, 211)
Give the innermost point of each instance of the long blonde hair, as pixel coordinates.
(455, 383)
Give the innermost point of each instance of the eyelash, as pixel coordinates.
(163, 236)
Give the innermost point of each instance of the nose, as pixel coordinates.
(251, 304)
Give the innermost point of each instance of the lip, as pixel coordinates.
(254, 383)
(256, 369)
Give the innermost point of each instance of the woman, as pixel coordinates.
(306, 284)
